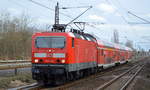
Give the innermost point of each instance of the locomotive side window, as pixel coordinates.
(72, 42)
(50, 42)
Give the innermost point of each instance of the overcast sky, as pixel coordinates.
(111, 12)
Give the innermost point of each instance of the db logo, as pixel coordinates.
(50, 50)
(50, 55)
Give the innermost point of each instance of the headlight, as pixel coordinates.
(36, 60)
(59, 55)
(63, 61)
(39, 54)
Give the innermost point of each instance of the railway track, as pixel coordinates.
(89, 78)
(122, 81)
(76, 82)
(85, 79)
(34, 86)
(79, 85)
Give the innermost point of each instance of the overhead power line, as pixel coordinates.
(123, 18)
(37, 3)
(74, 7)
(80, 15)
(23, 6)
(41, 5)
(147, 22)
(137, 23)
(49, 8)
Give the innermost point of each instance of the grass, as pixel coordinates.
(24, 77)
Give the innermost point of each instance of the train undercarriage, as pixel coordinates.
(59, 75)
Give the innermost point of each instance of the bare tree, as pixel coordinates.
(15, 36)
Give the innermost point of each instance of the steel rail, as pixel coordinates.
(131, 79)
(88, 78)
(14, 66)
(14, 61)
(69, 84)
(105, 85)
(33, 86)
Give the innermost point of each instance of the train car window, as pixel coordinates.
(72, 42)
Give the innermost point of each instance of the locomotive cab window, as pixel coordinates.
(50, 42)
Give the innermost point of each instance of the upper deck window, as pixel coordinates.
(50, 42)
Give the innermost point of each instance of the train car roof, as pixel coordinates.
(112, 45)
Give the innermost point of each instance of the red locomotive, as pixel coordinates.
(58, 56)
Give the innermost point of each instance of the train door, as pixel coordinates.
(101, 54)
(98, 55)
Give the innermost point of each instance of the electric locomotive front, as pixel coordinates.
(49, 55)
